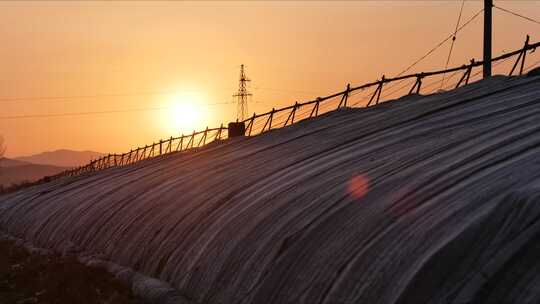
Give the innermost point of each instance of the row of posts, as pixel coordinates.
(239, 128)
(162, 147)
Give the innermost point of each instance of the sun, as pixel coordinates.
(185, 114)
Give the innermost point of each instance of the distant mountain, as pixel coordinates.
(61, 158)
(26, 172)
(7, 162)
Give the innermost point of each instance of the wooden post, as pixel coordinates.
(161, 147)
(315, 108)
(380, 90)
(345, 96)
(377, 92)
(205, 134)
(271, 117)
(268, 121)
(294, 112)
(291, 115)
(218, 134)
(524, 55)
(419, 80)
(221, 130)
(251, 124)
(181, 143)
(469, 74)
(417, 84)
(138, 154)
(203, 138)
(521, 57)
(488, 7)
(466, 75)
(191, 140)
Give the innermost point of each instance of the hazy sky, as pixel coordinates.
(144, 51)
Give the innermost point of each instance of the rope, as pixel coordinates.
(529, 67)
(440, 81)
(494, 66)
(516, 14)
(407, 84)
(441, 43)
(453, 42)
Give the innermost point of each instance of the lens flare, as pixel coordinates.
(358, 186)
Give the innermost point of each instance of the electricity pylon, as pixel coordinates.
(242, 96)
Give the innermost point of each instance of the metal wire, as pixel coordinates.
(453, 41)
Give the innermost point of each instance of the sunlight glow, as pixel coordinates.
(186, 114)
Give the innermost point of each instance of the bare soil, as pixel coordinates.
(27, 278)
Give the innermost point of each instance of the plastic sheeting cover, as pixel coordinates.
(426, 199)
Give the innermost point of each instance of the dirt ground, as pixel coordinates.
(34, 278)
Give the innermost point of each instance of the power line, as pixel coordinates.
(453, 42)
(516, 14)
(440, 44)
(134, 94)
(286, 90)
(97, 112)
(44, 98)
(74, 97)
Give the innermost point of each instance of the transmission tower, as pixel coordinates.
(242, 95)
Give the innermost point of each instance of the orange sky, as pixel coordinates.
(292, 50)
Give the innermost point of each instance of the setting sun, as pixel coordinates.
(185, 114)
